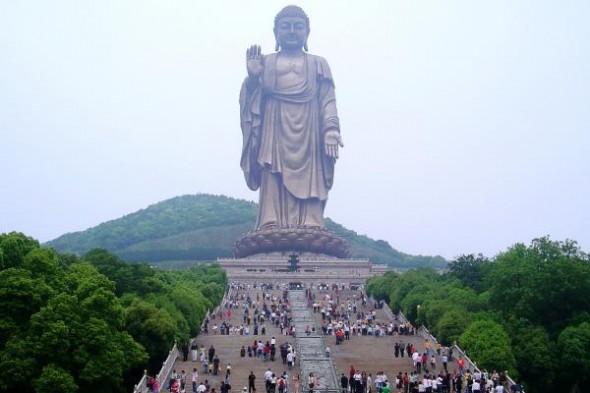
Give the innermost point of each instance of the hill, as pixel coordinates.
(204, 227)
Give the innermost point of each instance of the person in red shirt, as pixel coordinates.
(461, 364)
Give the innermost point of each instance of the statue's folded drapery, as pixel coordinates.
(283, 126)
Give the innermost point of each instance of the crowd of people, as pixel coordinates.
(343, 315)
(348, 317)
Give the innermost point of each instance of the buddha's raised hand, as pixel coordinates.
(254, 61)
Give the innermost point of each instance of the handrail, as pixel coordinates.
(141, 387)
(167, 365)
(162, 376)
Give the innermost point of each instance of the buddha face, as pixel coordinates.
(291, 32)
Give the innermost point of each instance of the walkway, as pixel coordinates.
(369, 353)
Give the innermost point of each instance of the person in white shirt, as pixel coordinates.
(267, 374)
(439, 383)
(421, 387)
(194, 376)
(476, 386)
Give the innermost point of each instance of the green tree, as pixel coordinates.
(403, 284)
(470, 270)
(54, 379)
(547, 283)
(20, 297)
(574, 362)
(451, 325)
(15, 246)
(487, 343)
(379, 287)
(534, 354)
(154, 328)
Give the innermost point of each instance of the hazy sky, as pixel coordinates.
(466, 124)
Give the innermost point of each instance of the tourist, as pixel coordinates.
(311, 382)
(224, 387)
(194, 378)
(290, 359)
(185, 352)
(251, 382)
(281, 384)
(174, 386)
(461, 364)
(296, 382)
(211, 354)
(344, 383)
(267, 377)
(476, 386)
(194, 349)
(227, 372)
(182, 380)
(202, 388)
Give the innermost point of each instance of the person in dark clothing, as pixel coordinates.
(211, 353)
(225, 387)
(344, 383)
(185, 351)
(251, 382)
(284, 351)
(215, 365)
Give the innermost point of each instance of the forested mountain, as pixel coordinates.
(204, 227)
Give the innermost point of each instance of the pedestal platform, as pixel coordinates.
(296, 239)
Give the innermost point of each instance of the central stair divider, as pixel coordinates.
(311, 348)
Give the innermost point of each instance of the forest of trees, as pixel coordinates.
(525, 311)
(92, 323)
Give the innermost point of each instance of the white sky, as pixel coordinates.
(466, 124)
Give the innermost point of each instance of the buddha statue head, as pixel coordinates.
(291, 29)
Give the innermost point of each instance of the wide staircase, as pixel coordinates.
(369, 353)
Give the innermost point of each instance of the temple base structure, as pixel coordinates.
(312, 269)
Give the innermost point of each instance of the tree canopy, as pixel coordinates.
(92, 323)
(513, 312)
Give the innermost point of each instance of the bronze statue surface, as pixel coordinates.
(290, 127)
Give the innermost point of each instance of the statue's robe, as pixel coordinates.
(283, 125)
